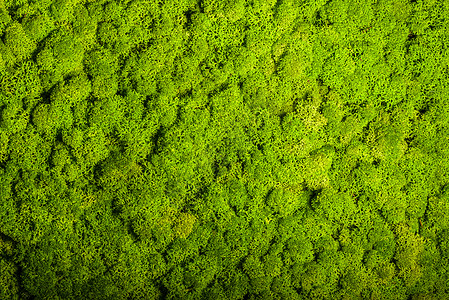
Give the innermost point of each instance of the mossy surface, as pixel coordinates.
(236, 149)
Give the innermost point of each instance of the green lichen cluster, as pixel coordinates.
(224, 149)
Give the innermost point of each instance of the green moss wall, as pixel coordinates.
(236, 149)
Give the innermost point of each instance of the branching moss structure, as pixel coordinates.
(224, 149)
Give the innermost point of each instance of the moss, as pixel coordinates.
(223, 149)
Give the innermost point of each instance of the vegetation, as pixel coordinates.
(236, 149)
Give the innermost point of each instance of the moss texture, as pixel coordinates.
(236, 149)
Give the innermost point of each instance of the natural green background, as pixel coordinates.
(236, 149)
